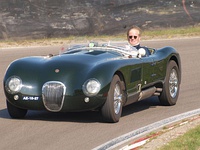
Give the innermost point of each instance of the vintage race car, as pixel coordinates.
(92, 77)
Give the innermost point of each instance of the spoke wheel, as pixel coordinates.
(171, 85)
(117, 99)
(112, 109)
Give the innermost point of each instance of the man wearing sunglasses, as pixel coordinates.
(133, 36)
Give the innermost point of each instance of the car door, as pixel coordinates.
(148, 74)
(141, 74)
(153, 69)
(159, 65)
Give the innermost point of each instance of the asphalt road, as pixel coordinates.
(85, 130)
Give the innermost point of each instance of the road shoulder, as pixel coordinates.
(163, 136)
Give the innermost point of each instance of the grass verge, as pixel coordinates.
(147, 34)
(189, 141)
(173, 32)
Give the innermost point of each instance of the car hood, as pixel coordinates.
(72, 69)
(71, 61)
(68, 61)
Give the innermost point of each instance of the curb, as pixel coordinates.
(116, 142)
(142, 141)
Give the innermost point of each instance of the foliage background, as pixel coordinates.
(33, 19)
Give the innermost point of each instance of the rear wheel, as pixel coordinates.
(112, 109)
(15, 112)
(171, 86)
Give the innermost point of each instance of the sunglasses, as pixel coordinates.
(130, 37)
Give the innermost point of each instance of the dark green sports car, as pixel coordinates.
(92, 77)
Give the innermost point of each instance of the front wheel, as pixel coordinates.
(171, 85)
(112, 109)
(15, 112)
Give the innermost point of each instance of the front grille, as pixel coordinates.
(53, 95)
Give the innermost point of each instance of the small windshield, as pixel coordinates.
(125, 50)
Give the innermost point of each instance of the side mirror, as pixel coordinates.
(141, 52)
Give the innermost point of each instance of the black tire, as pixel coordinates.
(112, 109)
(15, 112)
(171, 85)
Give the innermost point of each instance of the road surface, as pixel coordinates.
(85, 130)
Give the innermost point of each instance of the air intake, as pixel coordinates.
(53, 95)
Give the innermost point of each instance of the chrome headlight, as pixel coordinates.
(13, 84)
(91, 87)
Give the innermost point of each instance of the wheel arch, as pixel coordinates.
(176, 59)
(121, 76)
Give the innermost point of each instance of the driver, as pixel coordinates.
(134, 36)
